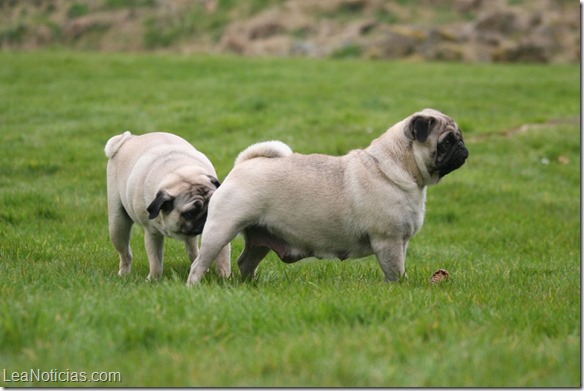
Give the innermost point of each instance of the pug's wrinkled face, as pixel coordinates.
(188, 216)
(185, 214)
(451, 152)
(437, 144)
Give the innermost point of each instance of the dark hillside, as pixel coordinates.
(546, 31)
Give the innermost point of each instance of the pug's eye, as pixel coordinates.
(447, 143)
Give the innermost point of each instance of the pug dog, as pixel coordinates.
(369, 201)
(161, 182)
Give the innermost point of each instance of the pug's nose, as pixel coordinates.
(464, 150)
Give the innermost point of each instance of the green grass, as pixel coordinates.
(506, 226)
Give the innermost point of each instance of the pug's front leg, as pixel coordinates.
(391, 255)
(192, 247)
(154, 243)
(224, 262)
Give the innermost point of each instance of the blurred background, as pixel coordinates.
(537, 31)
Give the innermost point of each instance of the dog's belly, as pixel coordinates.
(289, 251)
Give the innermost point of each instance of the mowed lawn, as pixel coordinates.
(506, 226)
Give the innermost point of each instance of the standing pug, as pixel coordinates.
(161, 182)
(367, 202)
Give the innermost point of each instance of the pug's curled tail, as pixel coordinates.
(270, 149)
(114, 144)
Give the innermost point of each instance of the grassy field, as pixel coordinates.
(506, 226)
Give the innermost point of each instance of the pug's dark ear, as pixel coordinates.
(420, 127)
(214, 181)
(163, 201)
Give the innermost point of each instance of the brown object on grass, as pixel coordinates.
(439, 276)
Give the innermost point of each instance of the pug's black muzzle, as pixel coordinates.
(195, 227)
(453, 159)
(199, 225)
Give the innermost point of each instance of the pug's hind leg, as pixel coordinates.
(216, 236)
(120, 229)
(154, 243)
(249, 260)
(209, 252)
(224, 262)
(391, 257)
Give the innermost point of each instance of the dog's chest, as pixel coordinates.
(412, 213)
(391, 212)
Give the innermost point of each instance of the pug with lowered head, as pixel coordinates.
(161, 182)
(369, 201)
